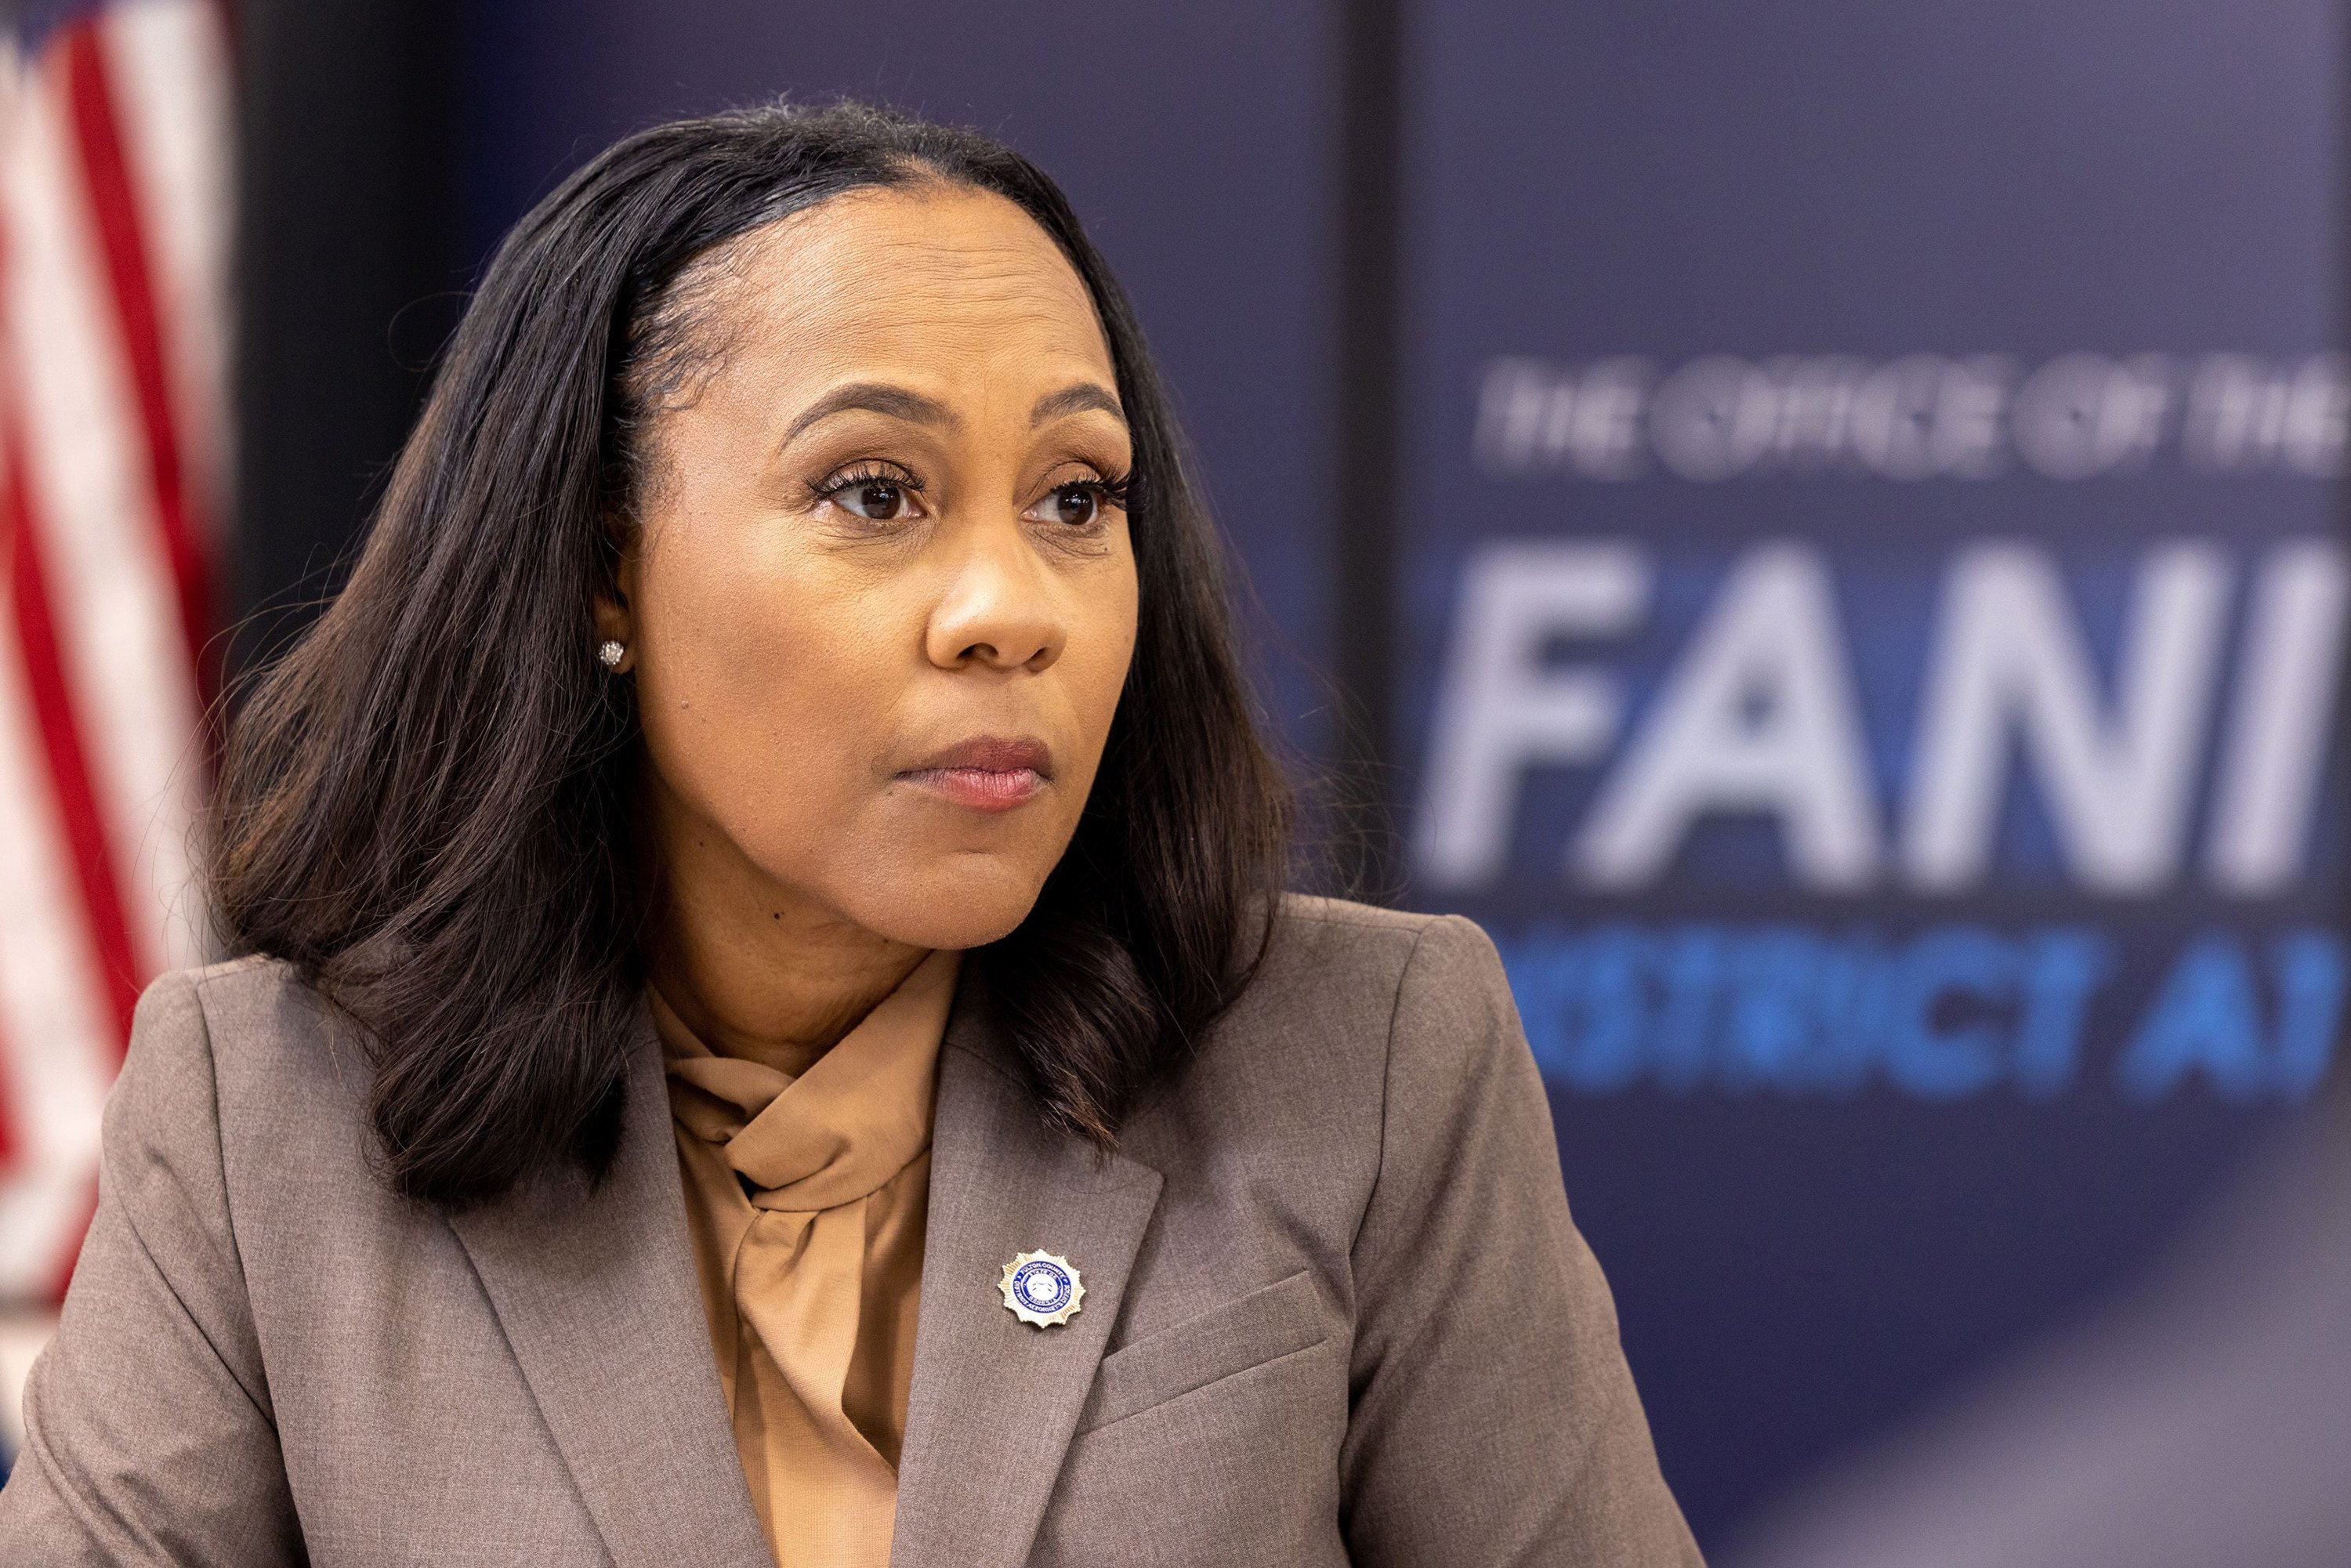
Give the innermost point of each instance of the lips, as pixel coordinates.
(987, 774)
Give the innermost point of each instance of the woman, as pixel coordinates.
(770, 1027)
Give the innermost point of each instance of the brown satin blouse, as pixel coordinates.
(806, 1198)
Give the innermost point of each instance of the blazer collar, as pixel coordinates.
(996, 1401)
(597, 1293)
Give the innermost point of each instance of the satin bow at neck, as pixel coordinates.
(806, 1196)
(837, 1132)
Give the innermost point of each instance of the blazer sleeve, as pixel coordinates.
(1494, 1420)
(149, 1437)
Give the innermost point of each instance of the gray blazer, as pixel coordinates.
(1335, 1312)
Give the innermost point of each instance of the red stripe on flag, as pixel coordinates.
(85, 840)
(114, 206)
(8, 1114)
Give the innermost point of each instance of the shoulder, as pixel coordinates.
(1350, 1006)
(246, 1044)
(238, 986)
(1388, 1045)
(244, 1014)
(1375, 969)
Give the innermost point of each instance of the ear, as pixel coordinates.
(614, 613)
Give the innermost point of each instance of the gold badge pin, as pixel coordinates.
(1042, 1290)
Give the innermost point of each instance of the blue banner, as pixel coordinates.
(1874, 606)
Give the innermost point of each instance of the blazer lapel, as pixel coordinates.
(995, 1402)
(596, 1291)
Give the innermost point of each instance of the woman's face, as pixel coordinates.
(880, 599)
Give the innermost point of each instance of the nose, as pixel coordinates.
(999, 611)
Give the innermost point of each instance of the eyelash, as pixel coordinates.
(849, 479)
(1112, 492)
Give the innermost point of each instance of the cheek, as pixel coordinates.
(1102, 649)
(763, 688)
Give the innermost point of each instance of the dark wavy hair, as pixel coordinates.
(427, 806)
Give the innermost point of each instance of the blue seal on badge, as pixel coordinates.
(1041, 1288)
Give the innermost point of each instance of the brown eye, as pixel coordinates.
(877, 500)
(1073, 506)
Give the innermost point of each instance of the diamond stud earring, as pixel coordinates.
(609, 653)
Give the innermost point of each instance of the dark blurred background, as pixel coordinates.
(1818, 525)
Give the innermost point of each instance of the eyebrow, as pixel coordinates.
(873, 397)
(898, 403)
(1077, 398)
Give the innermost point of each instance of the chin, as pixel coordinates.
(956, 906)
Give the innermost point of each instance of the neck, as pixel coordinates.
(758, 972)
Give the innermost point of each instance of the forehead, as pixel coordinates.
(909, 272)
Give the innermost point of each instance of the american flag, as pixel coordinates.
(115, 206)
